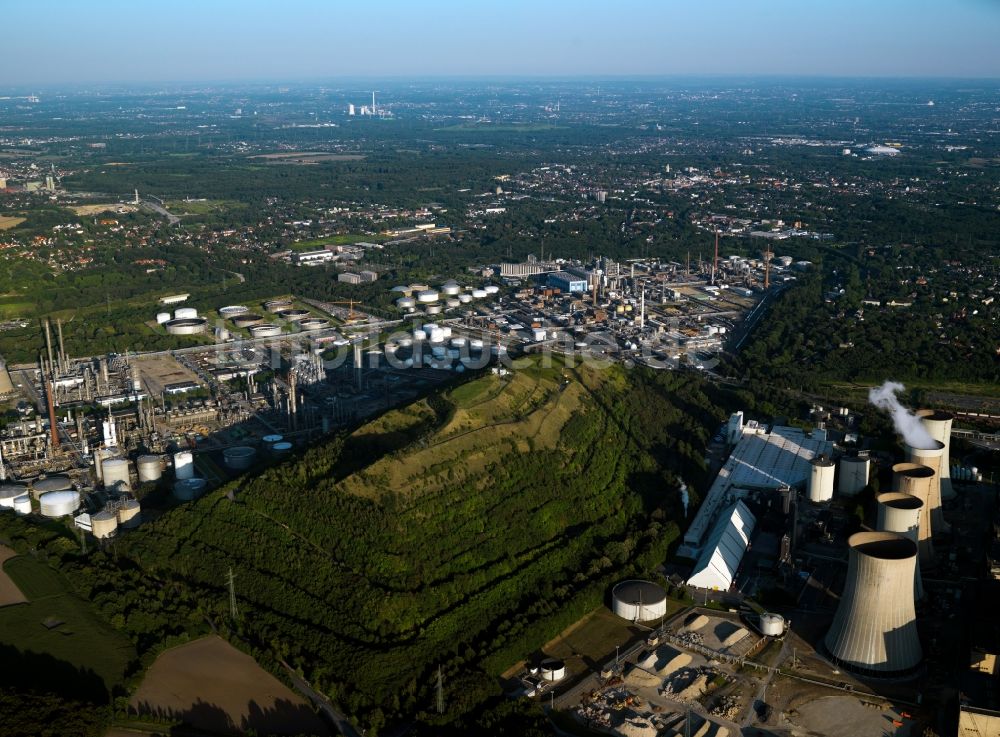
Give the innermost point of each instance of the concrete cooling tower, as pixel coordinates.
(932, 458)
(915, 479)
(874, 631)
(900, 513)
(938, 424)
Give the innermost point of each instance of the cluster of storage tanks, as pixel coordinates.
(451, 294)
(185, 321)
(443, 348)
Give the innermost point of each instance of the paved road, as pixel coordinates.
(322, 703)
(157, 206)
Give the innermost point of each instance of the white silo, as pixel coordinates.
(915, 480)
(938, 424)
(150, 468)
(22, 504)
(116, 474)
(821, 479)
(933, 458)
(162, 318)
(59, 503)
(854, 472)
(900, 513)
(772, 625)
(129, 514)
(874, 631)
(104, 524)
(184, 464)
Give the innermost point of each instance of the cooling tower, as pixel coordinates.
(915, 479)
(938, 424)
(900, 513)
(932, 458)
(874, 631)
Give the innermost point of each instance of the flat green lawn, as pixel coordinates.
(336, 240)
(82, 639)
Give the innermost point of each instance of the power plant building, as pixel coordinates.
(720, 558)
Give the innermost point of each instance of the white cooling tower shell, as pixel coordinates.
(915, 479)
(900, 513)
(933, 458)
(821, 479)
(874, 631)
(938, 424)
(854, 472)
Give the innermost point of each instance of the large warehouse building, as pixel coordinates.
(720, 557)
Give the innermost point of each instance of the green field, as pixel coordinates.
(336, 240)
(200, 207)
(81, 640)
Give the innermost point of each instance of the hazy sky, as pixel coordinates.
(68, 41)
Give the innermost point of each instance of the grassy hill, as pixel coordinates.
(463, 531)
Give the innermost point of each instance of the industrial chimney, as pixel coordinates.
(915, 479)
(900, 513)
(938, 424)
(874, 631)
(932, 458)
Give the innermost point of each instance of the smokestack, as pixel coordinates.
(900, 513)
(715, 262)
(53, 425)
(48, 345)
(915, 480)
(931, 456)
(62, 351)
(938, 424)
(874, 631)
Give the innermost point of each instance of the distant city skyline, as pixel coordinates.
(61, 42)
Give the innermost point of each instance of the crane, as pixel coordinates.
(351, 314)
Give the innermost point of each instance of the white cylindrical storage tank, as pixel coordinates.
(282, 448)
(231, 311)
(854, 472)
(458, 341)
(150, 468)
(639, 601)
(450, 288)
(59, 503)
(247, 320)
(129, 514)
(22, 504)
(772, 625)
(104, 524)
(268, 330)
(436, 335)
(184, 464)
(476, 343)
(933, 458)
(188, 489)
(186, 325)
(239, 458)
(162, 317)
(938, 424)
(916, 479)
(426, 296)
(10, 492)
(491, 289)
(464, 298)
(185, 313)
(552, 670)
(874, 631)
(900, 513)
(116, 474)
(313, 323)
(433, 309)
(277, 305)
(452, 303)
(45, 484)
(478, 293)
(406, 303)
(821, 479)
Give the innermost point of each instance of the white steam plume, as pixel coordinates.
(684, 497)
(907, 424)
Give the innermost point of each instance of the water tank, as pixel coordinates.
(451, 288)
(162, 317)
(639, 601)
(22, 504)
(433, 309)
(452, 303)
(247, 319)
(478, 293)
(426, 296)
(464, 298)
(277, 305)
(184, 464)
(59, 503)
(282, 448)
(188, 489)
(854, 472)
(270, 440)
(772, 625)
(150, 468)
(239, 458)
(821, 479)
(552, 669)
(129, 514)
(44, 484)
(185, 313)
(406, 303)
(267, 330)
(116, 475)
(104, 524)
(10, 492)
(231, 311)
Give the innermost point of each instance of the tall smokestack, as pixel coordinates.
(915, 479)
(874, 631)
(53, 425)
(48, 346)
(715, 261)
(62, 351)
(900, 513)
(931, 456)
(938, 424)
